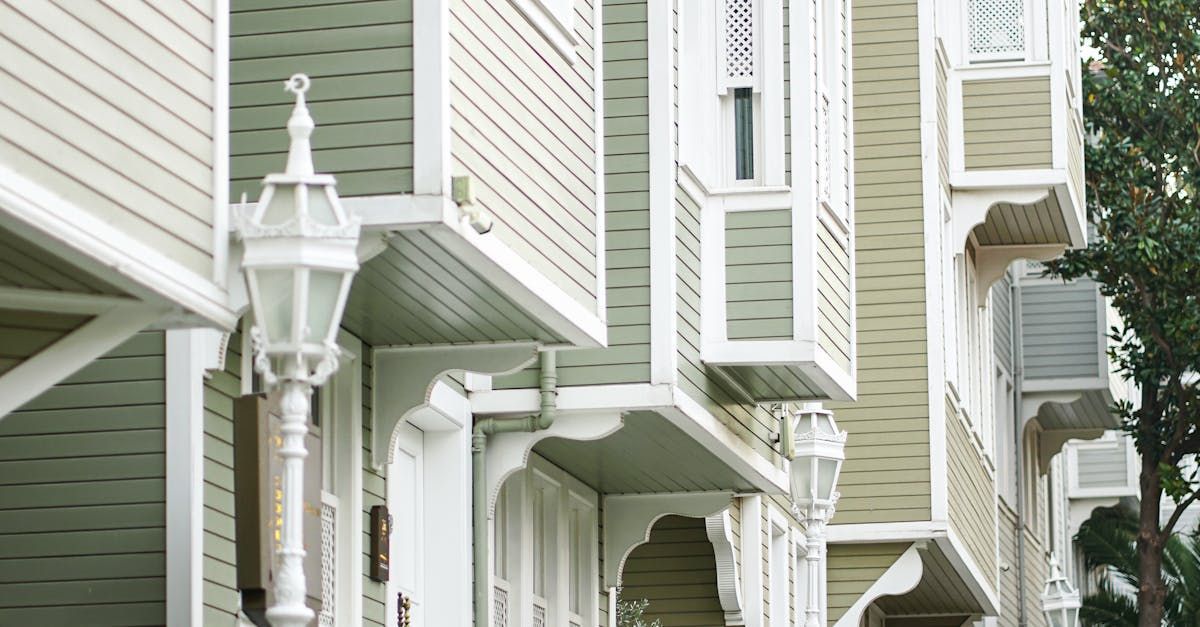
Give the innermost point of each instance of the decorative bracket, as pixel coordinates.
(991, 262)
(900, 578)
(628, 519)
(719, 529)
(970, 207)
(1032, 403)
(404, 379)
(509, 452)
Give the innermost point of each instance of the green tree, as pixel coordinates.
(1141, 106)
(1108, 540)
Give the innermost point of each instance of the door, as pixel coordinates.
(404, 499)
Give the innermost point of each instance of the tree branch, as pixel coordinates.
(1169, 526)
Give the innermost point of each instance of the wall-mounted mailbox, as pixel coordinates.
(381, 528)
(258, 477)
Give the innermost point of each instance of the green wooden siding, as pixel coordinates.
(627, 213)
(943, 119)
(359, 55)
(220, 590)
(677, 573)
(886, 474)
(112, 109)
(852, 568)
(522, 127)
(1059, 334)
(374, 484)
(1006, 124)
(25, 333)
(971, 495)
(1037, 569)
(833, 291)
(758, 275)
(83, 495)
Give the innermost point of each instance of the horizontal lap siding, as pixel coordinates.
(833, 289)
(853, 568)
(1103, 467)
(359, 56)
(374, 493)
(220, 555)
(1059, 331)
(886, 474)
(1009, 588)
(109, 106)
(1006, 124)
(522, 128)
(758, 275)
(752, 424)
(676, 572)
(26, 333)
(1074, 148)
(627, 214)
(82, 496)
(972, 503)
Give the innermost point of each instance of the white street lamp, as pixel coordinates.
(300, 257)
(819, 452)
(1060, 601)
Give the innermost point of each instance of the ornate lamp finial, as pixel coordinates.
(300, 128)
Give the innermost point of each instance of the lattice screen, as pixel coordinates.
(499, 607)
(739, 39)
(539, 616)
(997, 28)
(328, 560)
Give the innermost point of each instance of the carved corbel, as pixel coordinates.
(900, 578)
(719, 528)
(509, 452)
(404, 380)
(991, 262)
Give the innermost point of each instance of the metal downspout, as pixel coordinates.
(548, 385)
(1018, 448)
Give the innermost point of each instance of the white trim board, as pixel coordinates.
(87, 241)
(662, 170)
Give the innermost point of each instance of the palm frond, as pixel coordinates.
(1109, 608)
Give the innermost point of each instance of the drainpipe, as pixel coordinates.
(1018, 446)
(548, 385)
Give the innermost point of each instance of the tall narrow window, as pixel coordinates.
(743, 132)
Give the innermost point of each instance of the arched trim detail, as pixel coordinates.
(628, 519)
(970, 207)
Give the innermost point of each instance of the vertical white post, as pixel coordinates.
(289, 609)
(184, 467)
(814, 533)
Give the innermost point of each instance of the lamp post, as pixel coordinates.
(1060, 601)
(819, 452)
(300, 257)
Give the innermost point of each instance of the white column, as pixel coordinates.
(289, 609)
(184, 467)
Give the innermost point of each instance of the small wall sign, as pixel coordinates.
(381, 527)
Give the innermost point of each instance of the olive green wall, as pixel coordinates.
(677, 573)
(853, 568)
(758, 275)
(220, 590)
(83, 495)
(1006, 124)
(359, 56)
(971, 494)
(886, 476)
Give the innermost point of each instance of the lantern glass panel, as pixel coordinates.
(1056, 618)
(826, 471)
(825, 424)
(281, 207)
(802, 479)
(320, 209)
(276, 290)
(1072, 617)
(323, 289)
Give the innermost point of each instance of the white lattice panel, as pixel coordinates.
(824, 149)
(499, 607)
(739, 39)
(328, 559)
(997, 28)
(539, 616)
